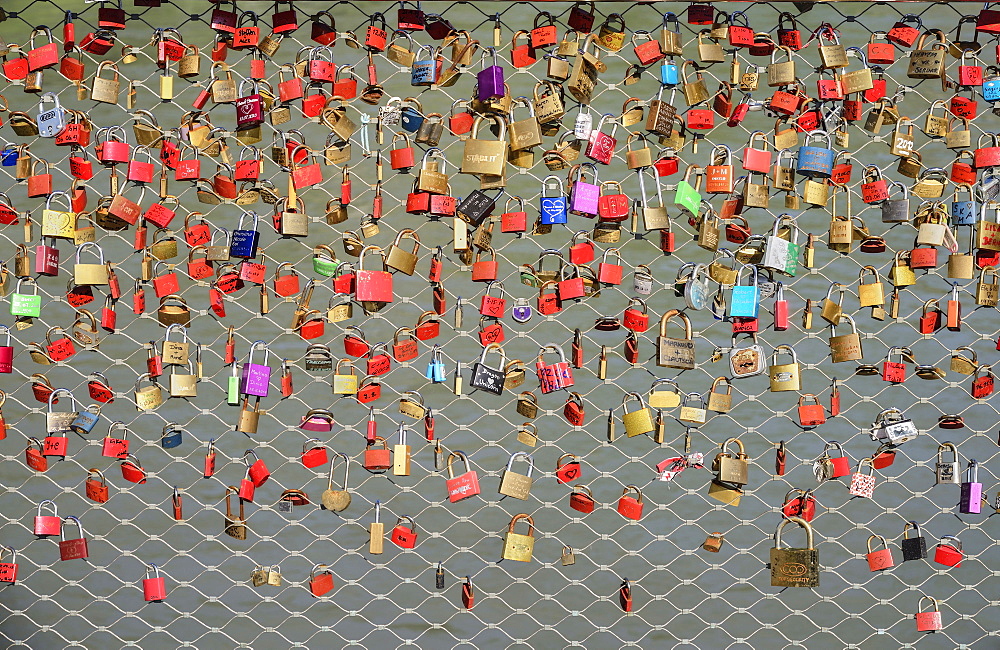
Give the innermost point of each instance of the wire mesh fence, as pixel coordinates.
(682, 594)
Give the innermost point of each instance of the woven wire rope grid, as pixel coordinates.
(683, 596)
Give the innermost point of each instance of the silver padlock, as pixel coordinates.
(946, 471)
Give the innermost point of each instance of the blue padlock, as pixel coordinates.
(410, 118)
(816, 161)
(745, 299)
(244, 242)
(8, 157)
(423, 72)
(553, 209)
(991, 84)
(85, 420)
(669, 75)
(964, 213)
(435, 368)
(172, 439)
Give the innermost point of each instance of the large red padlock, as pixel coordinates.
(377, 459)
(322, 583)
(929, 621)
(55, 446)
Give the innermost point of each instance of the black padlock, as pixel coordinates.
(914, 548)
(476, 207)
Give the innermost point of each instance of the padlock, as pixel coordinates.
(863, 485)
(949, 551)
(794, 567)
(630, 506)
(930, 620)
(463, 486)
(515, 484)
(784, 376)
(913, 548)
(154, 587)
(75, 548)
(881, 559)
(971, 496)
(47, 525)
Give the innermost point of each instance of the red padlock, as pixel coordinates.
(929, 621)
(568, 471)
(132, 470)
(321, 584)
(72, 549)
(154, 589)
(257, 472)
(881, 559)
(404, 536)
(949, 553)
(209, 468)
(629, 506)
(635, 320)
(47, 525)
(315, 455)
(582, 501)
(33, 456)
(803, 505)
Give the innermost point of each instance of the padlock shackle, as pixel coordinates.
(802, 523)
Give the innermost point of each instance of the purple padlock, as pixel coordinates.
(256, 378)
(249, 107)
(489, 81)
(971, 499)
(583, 196)
(6, 354)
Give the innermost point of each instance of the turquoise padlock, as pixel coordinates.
(745, 299)
(669, 75)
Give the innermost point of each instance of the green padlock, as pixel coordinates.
(325, 260)
(25, 304)
(233, 388)
(687, 198)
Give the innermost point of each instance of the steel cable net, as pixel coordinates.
(683, 596)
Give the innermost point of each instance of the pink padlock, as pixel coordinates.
(583, 196)
(258, 471)
(317, 420)
(47, 524)
(6, 354)
(154, 589)
(256, 379)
